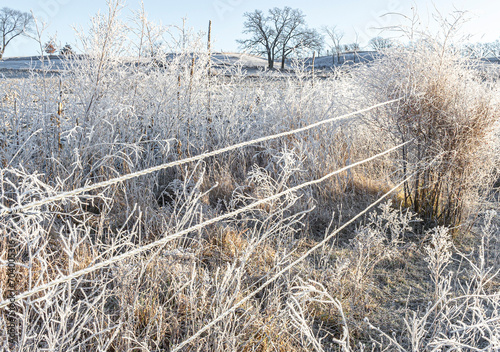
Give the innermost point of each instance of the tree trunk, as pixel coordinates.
(283, 61)
(270, 59)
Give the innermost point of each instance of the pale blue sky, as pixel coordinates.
(355, 16)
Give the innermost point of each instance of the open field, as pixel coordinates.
(189, 203)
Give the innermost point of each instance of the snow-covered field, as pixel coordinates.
(31, 62)
(251, 64)
(56, 63)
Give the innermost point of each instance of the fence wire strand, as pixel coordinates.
(75, 192)
(285, 269)
(197, 227)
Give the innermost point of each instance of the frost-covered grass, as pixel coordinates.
(392, 281)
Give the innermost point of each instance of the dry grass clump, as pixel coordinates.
(450, 114)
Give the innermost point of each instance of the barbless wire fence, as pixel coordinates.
(22, 208)
(5, 211)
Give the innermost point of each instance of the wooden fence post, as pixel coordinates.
(209, 114)
(313, 60)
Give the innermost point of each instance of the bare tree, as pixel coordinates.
(264, 38)
(335, 37)
(495, 48)
(296, 36)
(351, 47)
(278, 34)
(354, 47)
(304, 39)
(476, 50)
(50, 47)
(484, 50)
(379, 43)
(13, 23)
(67, 50)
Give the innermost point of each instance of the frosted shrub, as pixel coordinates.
(449, 114)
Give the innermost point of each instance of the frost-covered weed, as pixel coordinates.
(439, 256)
(463, 315)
